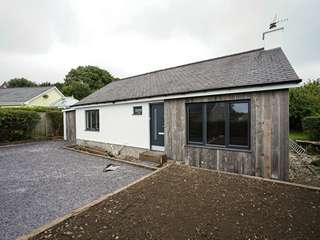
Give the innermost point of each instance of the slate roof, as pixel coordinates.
(253, 68)
(17, 96)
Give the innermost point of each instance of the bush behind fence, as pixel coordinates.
(20, 124)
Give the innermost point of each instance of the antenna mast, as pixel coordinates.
(275, 21)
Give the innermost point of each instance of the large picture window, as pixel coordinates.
(224, 124)
(92, 120)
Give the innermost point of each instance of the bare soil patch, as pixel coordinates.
(181, 202)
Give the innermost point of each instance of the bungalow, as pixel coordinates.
(228, 113)
(35, 96)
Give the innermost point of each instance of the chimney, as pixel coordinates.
(274, 35)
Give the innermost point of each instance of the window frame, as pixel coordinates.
(137, 114)
(88, 114)
(227, 145)
(190, 142)
(249, 126)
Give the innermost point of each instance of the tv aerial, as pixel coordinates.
(275, 21)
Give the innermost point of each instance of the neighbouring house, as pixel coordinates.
(65, 102)
(228, 113)
(34, 96)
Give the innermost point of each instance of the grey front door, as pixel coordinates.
(157, 124)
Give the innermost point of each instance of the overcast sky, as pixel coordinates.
(43, 39)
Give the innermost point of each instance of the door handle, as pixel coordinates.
(161, 133)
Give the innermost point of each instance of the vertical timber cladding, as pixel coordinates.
(71, 126)
(268, 153)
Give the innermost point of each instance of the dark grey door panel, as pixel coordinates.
(157, 124)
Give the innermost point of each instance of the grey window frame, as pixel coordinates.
(134, 110)
(89, 120)
(203, 117)
(227, 125)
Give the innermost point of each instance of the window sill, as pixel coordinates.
(219, 148)
(91, 130)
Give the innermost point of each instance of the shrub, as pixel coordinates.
(311, 149)
(56, 118)
(304, 101)
(312, 126)
(31, 108)
(17, 124)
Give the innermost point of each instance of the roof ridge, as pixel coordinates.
(27, 87)
(187, 64)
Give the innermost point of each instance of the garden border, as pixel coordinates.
(85, 207)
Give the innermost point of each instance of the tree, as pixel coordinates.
(77, 89)
(95, 77)
(304, 101)
(20, 82)
(59, 85)
(79, 82)
(84, 80)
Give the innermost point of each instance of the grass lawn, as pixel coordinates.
(297, 135)
(181, 202)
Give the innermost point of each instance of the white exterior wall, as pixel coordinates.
(118, 125)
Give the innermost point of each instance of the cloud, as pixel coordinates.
(44, 39)
(29, 27)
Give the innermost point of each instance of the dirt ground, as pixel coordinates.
(181, 202)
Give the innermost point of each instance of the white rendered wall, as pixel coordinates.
(118, 125)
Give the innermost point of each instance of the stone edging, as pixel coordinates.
(77, 211)
(114, 159)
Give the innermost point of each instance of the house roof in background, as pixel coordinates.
(257, 67)
(65, 102)
(16, 96)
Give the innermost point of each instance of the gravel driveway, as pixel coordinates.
(42, 181)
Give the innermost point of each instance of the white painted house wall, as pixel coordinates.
(118, 125)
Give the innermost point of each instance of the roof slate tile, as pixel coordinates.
(252, 68)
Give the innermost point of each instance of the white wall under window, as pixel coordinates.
(118, 125)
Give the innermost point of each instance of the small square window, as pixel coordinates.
(92, 120)
(137, 110)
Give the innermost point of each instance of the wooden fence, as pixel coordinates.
(44, 127)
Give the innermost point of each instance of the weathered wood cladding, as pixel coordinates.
(71, 126)
(268, 153)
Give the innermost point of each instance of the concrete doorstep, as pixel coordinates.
(100, 153)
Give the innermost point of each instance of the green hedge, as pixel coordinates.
(56, 118)
(31, 108)
(17, 124)
(312, 126)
